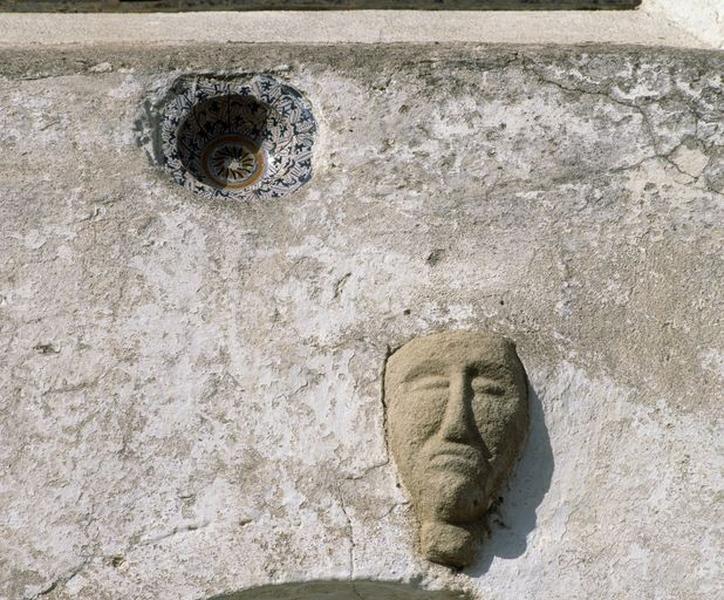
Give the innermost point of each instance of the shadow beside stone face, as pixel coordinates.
(514, 519)
(343, 590)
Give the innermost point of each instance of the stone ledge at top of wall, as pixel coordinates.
(640, 27)
(246, 5)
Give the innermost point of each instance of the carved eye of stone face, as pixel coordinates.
(422, 401)
(483, 386)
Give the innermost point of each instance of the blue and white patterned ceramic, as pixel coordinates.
(228, 139)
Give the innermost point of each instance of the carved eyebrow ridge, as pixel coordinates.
(429, 382)
(424, 369)
(488, 370)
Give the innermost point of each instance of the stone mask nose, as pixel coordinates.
(458, 423)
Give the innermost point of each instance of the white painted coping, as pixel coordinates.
(657, 23)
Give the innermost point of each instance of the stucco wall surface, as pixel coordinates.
(190, 391)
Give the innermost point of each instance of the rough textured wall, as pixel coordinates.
(191, 390)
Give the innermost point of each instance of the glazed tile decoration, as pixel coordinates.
(239, 140)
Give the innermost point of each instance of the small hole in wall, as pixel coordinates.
(245, 140)
(221, 142)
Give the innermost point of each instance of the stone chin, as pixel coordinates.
(447, 543)
(452, 497)
(449, 507)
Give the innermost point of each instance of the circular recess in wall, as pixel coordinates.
(245, 140)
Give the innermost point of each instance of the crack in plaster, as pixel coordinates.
(175, 531)
(62, 580)
(527, 65)
(350, 533)
(75, 571)
(339, 286)
(368, 470)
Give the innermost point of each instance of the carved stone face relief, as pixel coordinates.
(457, 414)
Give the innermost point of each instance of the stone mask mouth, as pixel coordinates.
(456, 455)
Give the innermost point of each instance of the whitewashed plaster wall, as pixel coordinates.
(190, 392)
(703, 19)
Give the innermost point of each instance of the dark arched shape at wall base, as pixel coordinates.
(342, 590)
